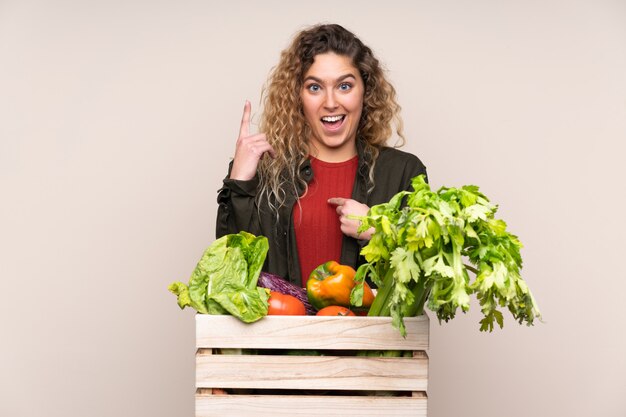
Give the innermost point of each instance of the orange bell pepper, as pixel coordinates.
(331, 284)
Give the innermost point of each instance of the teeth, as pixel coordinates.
(331, 118)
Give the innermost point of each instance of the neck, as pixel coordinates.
(333, 155)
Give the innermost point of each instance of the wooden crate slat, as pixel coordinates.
(305, 379)
(303, 406)
(310, 332)
(311, 372)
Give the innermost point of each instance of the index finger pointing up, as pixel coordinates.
(244, 130)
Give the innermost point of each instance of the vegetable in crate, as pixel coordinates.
(335, 311)
(225, 279)
(285, 305)
(331, 284)
(277, 283)
(417, 251)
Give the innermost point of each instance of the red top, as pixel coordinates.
(318, 233)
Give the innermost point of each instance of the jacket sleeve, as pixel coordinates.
(413, 170)
(237, 208)
(396, 172)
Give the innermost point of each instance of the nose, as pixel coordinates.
(330, 102)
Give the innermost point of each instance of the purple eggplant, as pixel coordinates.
(281, 285)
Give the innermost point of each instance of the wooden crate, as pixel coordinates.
(273, 382)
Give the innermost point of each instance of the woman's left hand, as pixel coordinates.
(346, 207)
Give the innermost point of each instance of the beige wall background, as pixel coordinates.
(117, 120)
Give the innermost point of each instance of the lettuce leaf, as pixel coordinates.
(225, 279)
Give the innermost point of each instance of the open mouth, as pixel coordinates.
(333, 122)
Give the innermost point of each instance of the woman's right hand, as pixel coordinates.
(249, 150)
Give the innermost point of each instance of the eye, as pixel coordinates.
(345, 86)
(314, 88)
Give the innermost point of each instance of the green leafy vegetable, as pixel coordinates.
(225, 279)
(416, 256)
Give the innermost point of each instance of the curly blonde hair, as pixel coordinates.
(283, 120)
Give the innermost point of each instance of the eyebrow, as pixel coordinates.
(343, 77)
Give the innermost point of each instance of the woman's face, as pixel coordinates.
(332, 99)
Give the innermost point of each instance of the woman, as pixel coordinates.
(321, 157)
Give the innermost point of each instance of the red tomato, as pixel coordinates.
(335, 311)
(285, 305)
